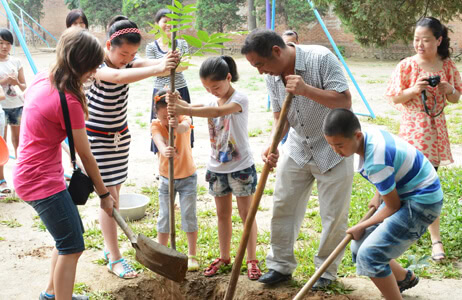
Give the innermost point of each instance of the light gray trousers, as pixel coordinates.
(292, 191)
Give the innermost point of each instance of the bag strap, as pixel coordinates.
(67, 122)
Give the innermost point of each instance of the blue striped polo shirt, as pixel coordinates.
(390, 162)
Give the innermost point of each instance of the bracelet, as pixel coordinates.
(104, 195)
(453, 90)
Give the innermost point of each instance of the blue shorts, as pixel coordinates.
(13, 116)
(241, 183)
(187, 188)
(61, 218)
(391, 238)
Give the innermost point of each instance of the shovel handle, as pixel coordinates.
(307, 287)
(121, 222)
(256, 200)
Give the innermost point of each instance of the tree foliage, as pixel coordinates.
(32, 7)
(380, 23)
(101, 11)
(219, 15)
(72, 4)
(143, 12)
(297, 14)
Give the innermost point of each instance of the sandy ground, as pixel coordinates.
(25, 251)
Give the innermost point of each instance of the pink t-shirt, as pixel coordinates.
(39, 172)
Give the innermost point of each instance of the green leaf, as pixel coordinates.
(220, 40)
(204, 36)
(186, 17)
(189, 10)
(218, 34)
(193, 41)
(186, 22)
(172, 16)
(178, 4)
(181, 28)
(174, 9)
(214, 46)
(187, 64)
(173, 22)
(189, 6)
(210, 50)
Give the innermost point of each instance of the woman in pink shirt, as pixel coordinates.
(39, 175)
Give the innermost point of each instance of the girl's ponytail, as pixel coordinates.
(218, 68)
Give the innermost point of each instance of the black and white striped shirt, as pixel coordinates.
(320, 68)
(153, 51)
(107, 105)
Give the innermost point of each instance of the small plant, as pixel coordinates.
(268, 191)
(142, 124)
(376, 81)
(11, 223)
(255, 132)
(2, 238)
(201, 190)
(93, 237)
(10, 199)
(39, 224)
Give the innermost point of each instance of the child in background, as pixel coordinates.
(107, 126)
(410, 188)
(11, 75)
(230, 169)
(76, 17)
(185, 182)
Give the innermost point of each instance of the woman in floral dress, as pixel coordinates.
(424, 123)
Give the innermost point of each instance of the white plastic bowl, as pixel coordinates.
(133, 206)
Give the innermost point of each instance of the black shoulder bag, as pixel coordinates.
(81, 185)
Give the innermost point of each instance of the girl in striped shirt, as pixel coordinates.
(107, 127)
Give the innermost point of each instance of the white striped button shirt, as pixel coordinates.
(320, 68)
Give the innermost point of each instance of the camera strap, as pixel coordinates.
(427, 110)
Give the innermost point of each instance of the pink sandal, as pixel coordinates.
(254, 271)
(215, 266)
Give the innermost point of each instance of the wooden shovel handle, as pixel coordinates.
(131, 236)
(256, 200)
(307, 287)
(171, 173)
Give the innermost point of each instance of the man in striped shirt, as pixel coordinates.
(411, 192)
(314, 76)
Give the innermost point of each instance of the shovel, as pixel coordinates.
(256, 200)
(156, 257)
(307, 287)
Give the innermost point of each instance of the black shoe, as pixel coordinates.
(321, 284)
(408, 283)
(274, 277)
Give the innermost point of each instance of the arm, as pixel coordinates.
(124, 76)
(392, 205)
(164, 149)
(179, 69)
(184, 126)
(447, 90)
(272, 158)
(411, 92)
(83, 149)
(328, 98)
(20, 81)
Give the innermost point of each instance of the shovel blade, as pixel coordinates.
(160, 259)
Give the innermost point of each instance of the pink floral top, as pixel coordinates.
(426, 133)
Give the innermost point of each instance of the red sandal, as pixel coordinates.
(253, 272)
(215, 266)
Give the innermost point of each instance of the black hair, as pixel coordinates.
(160, 14)
(291, 33)
(262, 41)
(217, 68)
(341, 121)
(73, 15)
(6, 35)
(439, 30)
(161, 103)
(122, 22)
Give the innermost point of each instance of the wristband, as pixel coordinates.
(104, 195)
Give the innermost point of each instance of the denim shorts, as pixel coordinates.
(391, 238)
(61, 218)
(241, 183)
(187, 188)
(13, 116)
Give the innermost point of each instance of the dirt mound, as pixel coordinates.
(197, 287)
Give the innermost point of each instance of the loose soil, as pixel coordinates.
(25, 250)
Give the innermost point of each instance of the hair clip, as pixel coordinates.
(157, 98)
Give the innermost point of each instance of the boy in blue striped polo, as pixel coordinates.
(411, 193)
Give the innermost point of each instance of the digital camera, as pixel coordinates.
(434, 80)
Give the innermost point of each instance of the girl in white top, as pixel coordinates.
(230, 169)
(11, 75)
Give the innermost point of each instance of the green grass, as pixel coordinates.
(38, 224)
(140, 123)
(375, 81)
(201, 190)
(10, 199)
(93, 236)
(81, 288)
(2, 238)
(391, 124)
(453, 114)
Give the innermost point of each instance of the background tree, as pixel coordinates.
(381, 23)
(143, 12)
(296, 14)
(72, 4)
(32, 7)
(251, 15)
(101, 11)
(219, 15)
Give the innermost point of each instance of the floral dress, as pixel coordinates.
(428, 134)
